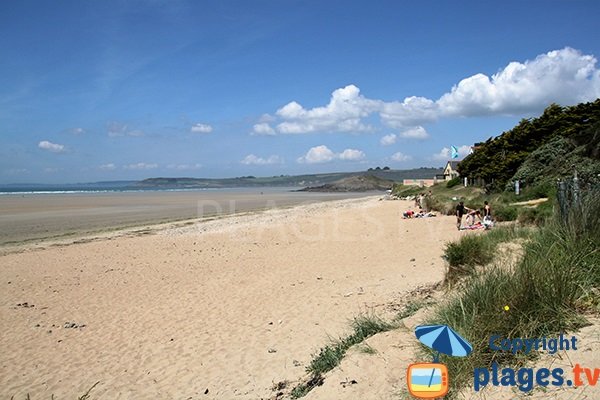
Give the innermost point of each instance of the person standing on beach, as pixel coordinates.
(460, 211)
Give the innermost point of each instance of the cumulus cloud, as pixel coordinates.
(251, 159)
(400, 157)
(201, 128)
(344, 112)
(141, 166)
(108, 167)
(184, 167)
(351, 155)
(562, 76)
(410, 112)
(388, 140)
(446, 153)
(318, 154)
(418, 132)
(565, 76)
(52, 147)
(117, 129)
(322, 154)
(263, 128)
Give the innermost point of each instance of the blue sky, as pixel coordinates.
(110, 90)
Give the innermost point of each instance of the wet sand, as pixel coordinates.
(34, 217)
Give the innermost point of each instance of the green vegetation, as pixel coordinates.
(556, 281)
(540, 150)
(471, 251)
(411, 308)
(453, 182)
(331, 355)
(283, 180)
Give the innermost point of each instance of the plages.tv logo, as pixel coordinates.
(430, 380)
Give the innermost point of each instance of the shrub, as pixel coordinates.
(505, 213)
(472, 250)
(536, 215)
(453, 182)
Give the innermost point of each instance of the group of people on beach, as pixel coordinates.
(485, 221)
(484, 216)
(420, 203)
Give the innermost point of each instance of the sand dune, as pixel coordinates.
(221, 310)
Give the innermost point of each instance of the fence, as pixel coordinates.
(570, 194)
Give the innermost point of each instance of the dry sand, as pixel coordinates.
(216, 310)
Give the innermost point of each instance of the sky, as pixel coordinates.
(126, 90)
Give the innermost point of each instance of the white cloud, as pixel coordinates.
(318, 154)
(77, 131)
(52, 147)
(184, 167)
(410, 112)
(400, 157)
(201, 128)
(388, 140)
(351, 155)
(565, 76)
(141, 166)
(418, 132)
(108, 167)
(117, 129)
(322, 154)
(343, 114)
(251, 159)
(263, 128)
(446, 153)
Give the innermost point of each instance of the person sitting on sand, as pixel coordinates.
(408, 214)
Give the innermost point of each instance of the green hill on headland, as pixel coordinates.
(311, 180)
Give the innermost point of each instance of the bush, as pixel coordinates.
(536, 215)
(453, 182)
(469, 251)
(505, 213)
(472, 250)
(404, 190)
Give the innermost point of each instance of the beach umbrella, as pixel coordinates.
(443, 339)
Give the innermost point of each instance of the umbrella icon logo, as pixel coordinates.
(430, 380)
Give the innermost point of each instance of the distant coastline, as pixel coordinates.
(191, 184)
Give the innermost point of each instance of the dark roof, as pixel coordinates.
(453, 164)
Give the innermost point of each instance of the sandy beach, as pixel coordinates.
(221, 309)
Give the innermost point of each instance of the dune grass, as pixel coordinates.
(548, 291)
(475, 250)
(331, 355)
